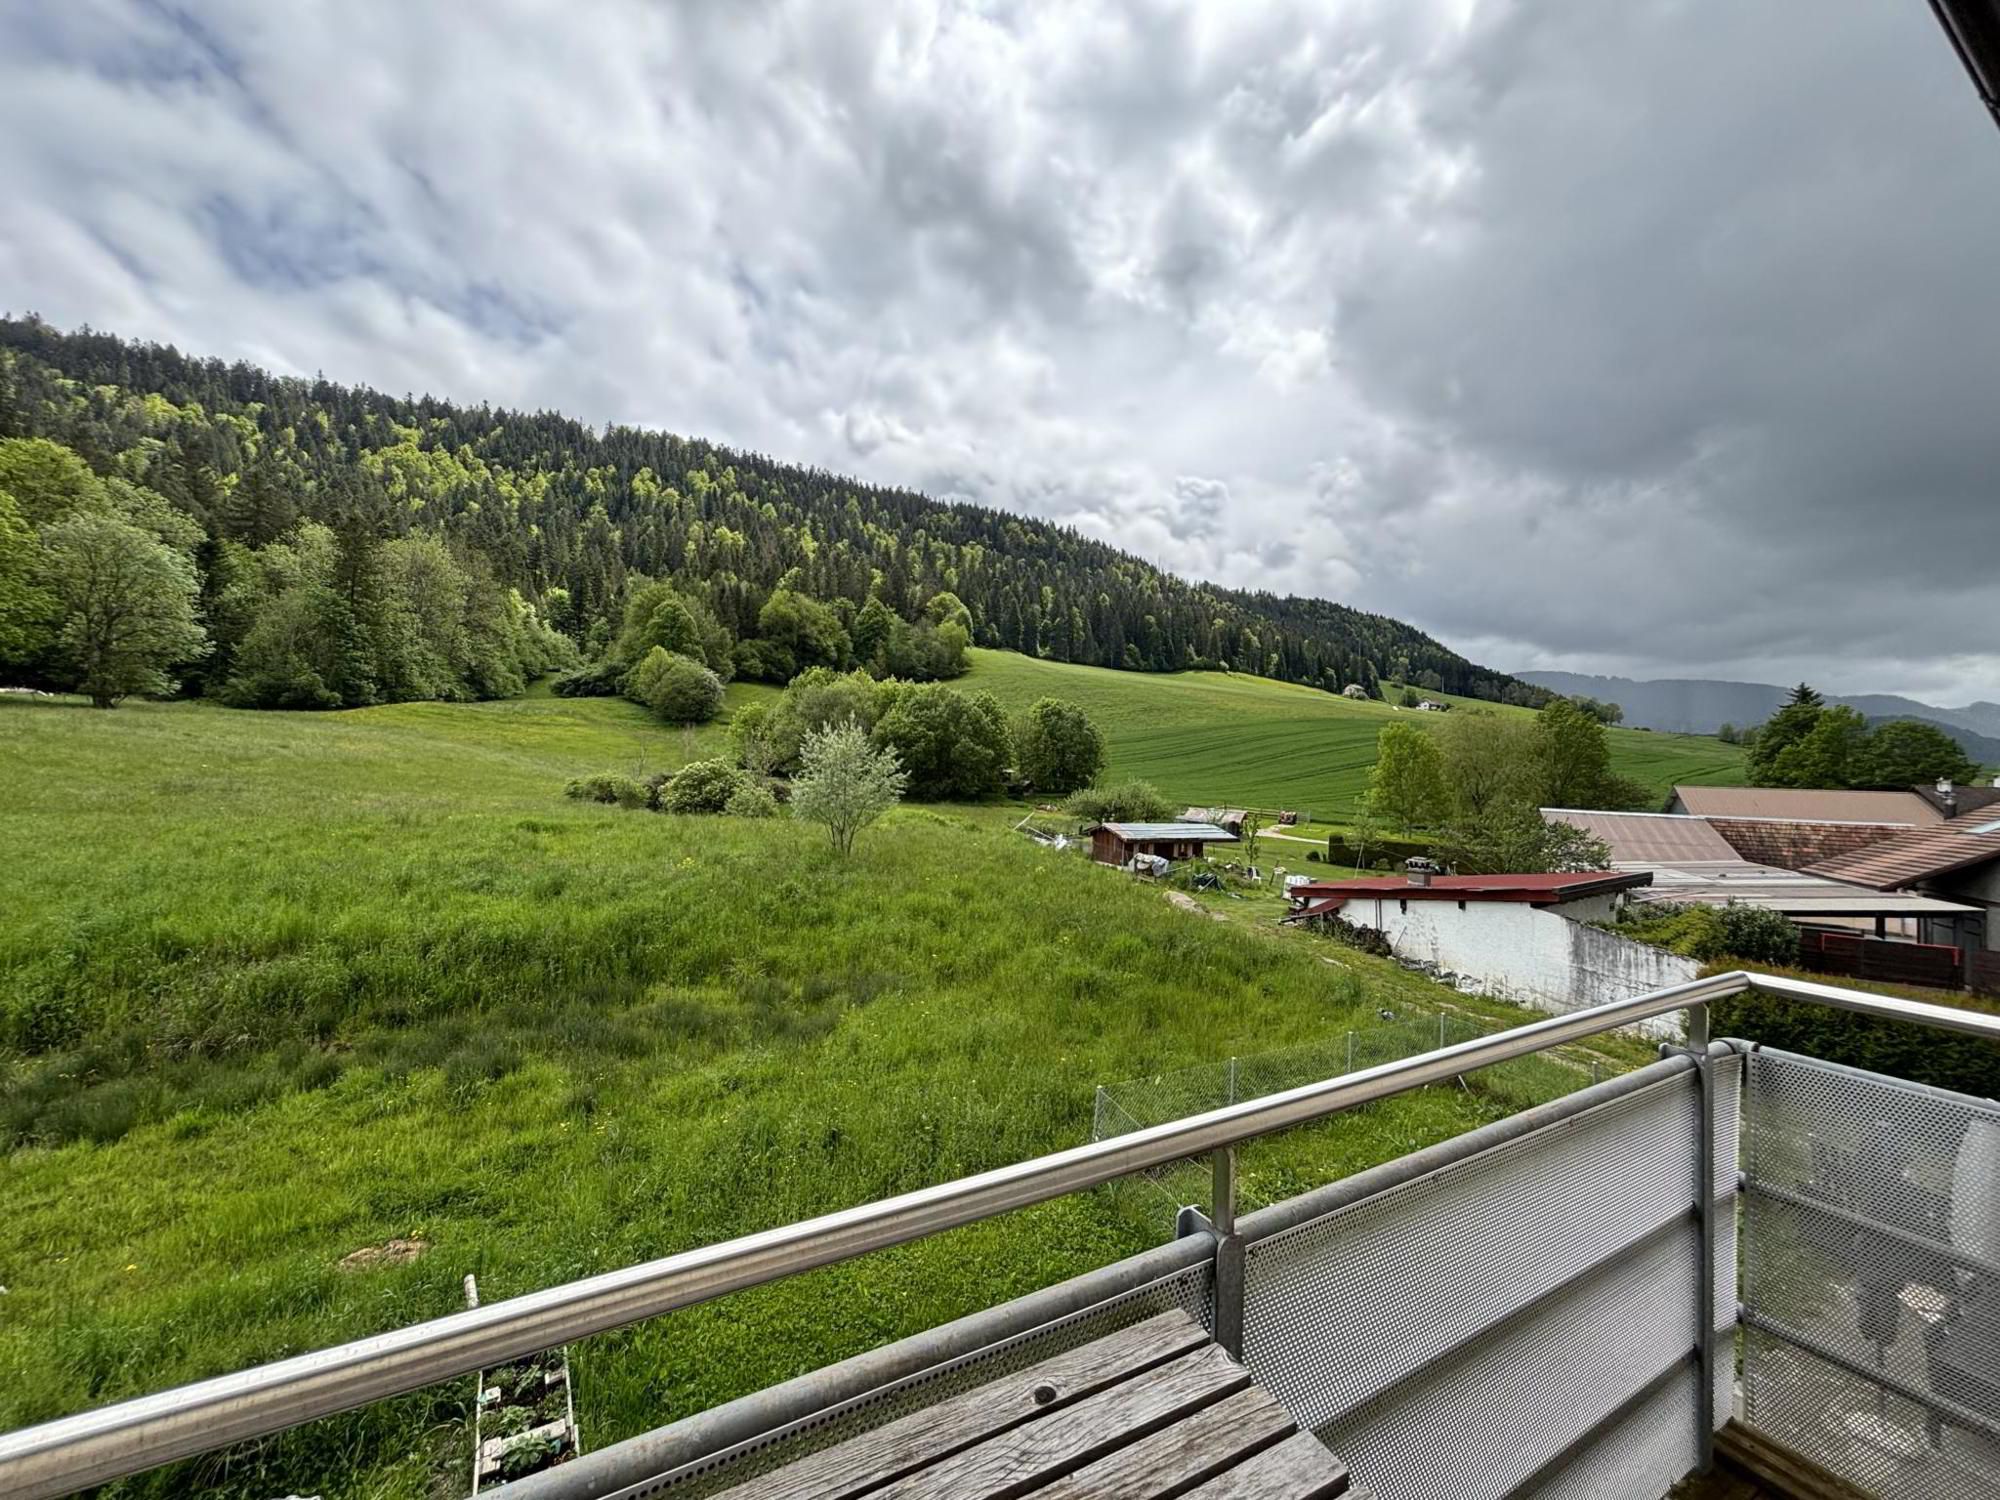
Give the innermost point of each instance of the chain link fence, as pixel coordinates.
(1137, 1103)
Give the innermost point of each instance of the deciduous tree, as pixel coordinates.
(127, 602)
(677, 688)
(1407, 787)
(952, 745)
(1909, 752)
(845, 783)
(1057, 747)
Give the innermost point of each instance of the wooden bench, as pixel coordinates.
(1154, 1410)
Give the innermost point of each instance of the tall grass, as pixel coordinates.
(277, 987)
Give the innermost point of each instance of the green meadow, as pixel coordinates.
(1224, 738)
(277, 987)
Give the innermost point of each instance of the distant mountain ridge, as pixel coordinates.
(1695, 705)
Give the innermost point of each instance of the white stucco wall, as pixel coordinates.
(1537, 956)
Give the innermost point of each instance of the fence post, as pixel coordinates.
(1232, 1081)
(1709, 1233)
(1228, 1255)
(1350, 1051)
(1440, 1028)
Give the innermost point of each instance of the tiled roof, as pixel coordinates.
(1796, 844)
(1971, 838)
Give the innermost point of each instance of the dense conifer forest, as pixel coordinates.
(355, 547)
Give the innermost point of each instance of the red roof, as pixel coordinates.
(1537, 890)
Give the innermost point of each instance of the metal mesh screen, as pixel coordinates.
(1650, 1446)
(1871, 1276)
(1467, 1331)
(1190, 1290)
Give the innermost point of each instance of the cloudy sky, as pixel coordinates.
(1660, 337)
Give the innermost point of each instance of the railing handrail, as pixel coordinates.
(129, 1436)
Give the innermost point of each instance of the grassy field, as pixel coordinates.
(1219, 737)
(278, 987)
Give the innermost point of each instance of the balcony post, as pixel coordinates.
(1228, 1255)
(1707, 1237)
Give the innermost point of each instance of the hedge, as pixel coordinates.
(1340, 852)
(1903, 1049)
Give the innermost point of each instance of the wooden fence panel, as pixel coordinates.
(1983, 972)
(1859, 957)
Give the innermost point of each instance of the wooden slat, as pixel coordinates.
(1204, 1445)
(924, 1437)
(1299, 1468)
(1026, 1457)
(1785, 1470)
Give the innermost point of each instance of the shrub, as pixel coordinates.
(607, 786)
(1128, 802)
(604, 679)
(700, 786)
(1943, 1059)
(1711, 933)
(677, 688)
(752, 799)
(1340, 851)
(1759, 935)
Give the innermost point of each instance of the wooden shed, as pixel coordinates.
(1116, 843)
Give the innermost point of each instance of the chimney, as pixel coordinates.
(1419, 870)
(1947, 795)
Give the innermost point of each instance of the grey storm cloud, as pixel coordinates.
(1652, 338)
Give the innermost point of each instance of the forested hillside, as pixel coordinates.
(356, 547)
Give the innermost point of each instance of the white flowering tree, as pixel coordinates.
(844, 782)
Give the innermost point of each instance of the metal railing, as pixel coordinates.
(128, 1437)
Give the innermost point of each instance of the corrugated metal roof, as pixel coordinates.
(1796, 894)
(1636, 838)
(1921, 854)
(1807, 804)
(1145, 832)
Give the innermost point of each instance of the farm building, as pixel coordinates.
(1526, 938)
(1356, 691)
(1118, 843)
(1229, 819)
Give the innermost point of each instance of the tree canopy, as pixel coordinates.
(953, 745)
(784, 560)
(1057, 748)
(1811, 743)
(1407, 787)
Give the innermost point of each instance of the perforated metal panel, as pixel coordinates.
(1190, 1290)
(1465, 1332)
(1871, 1276)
